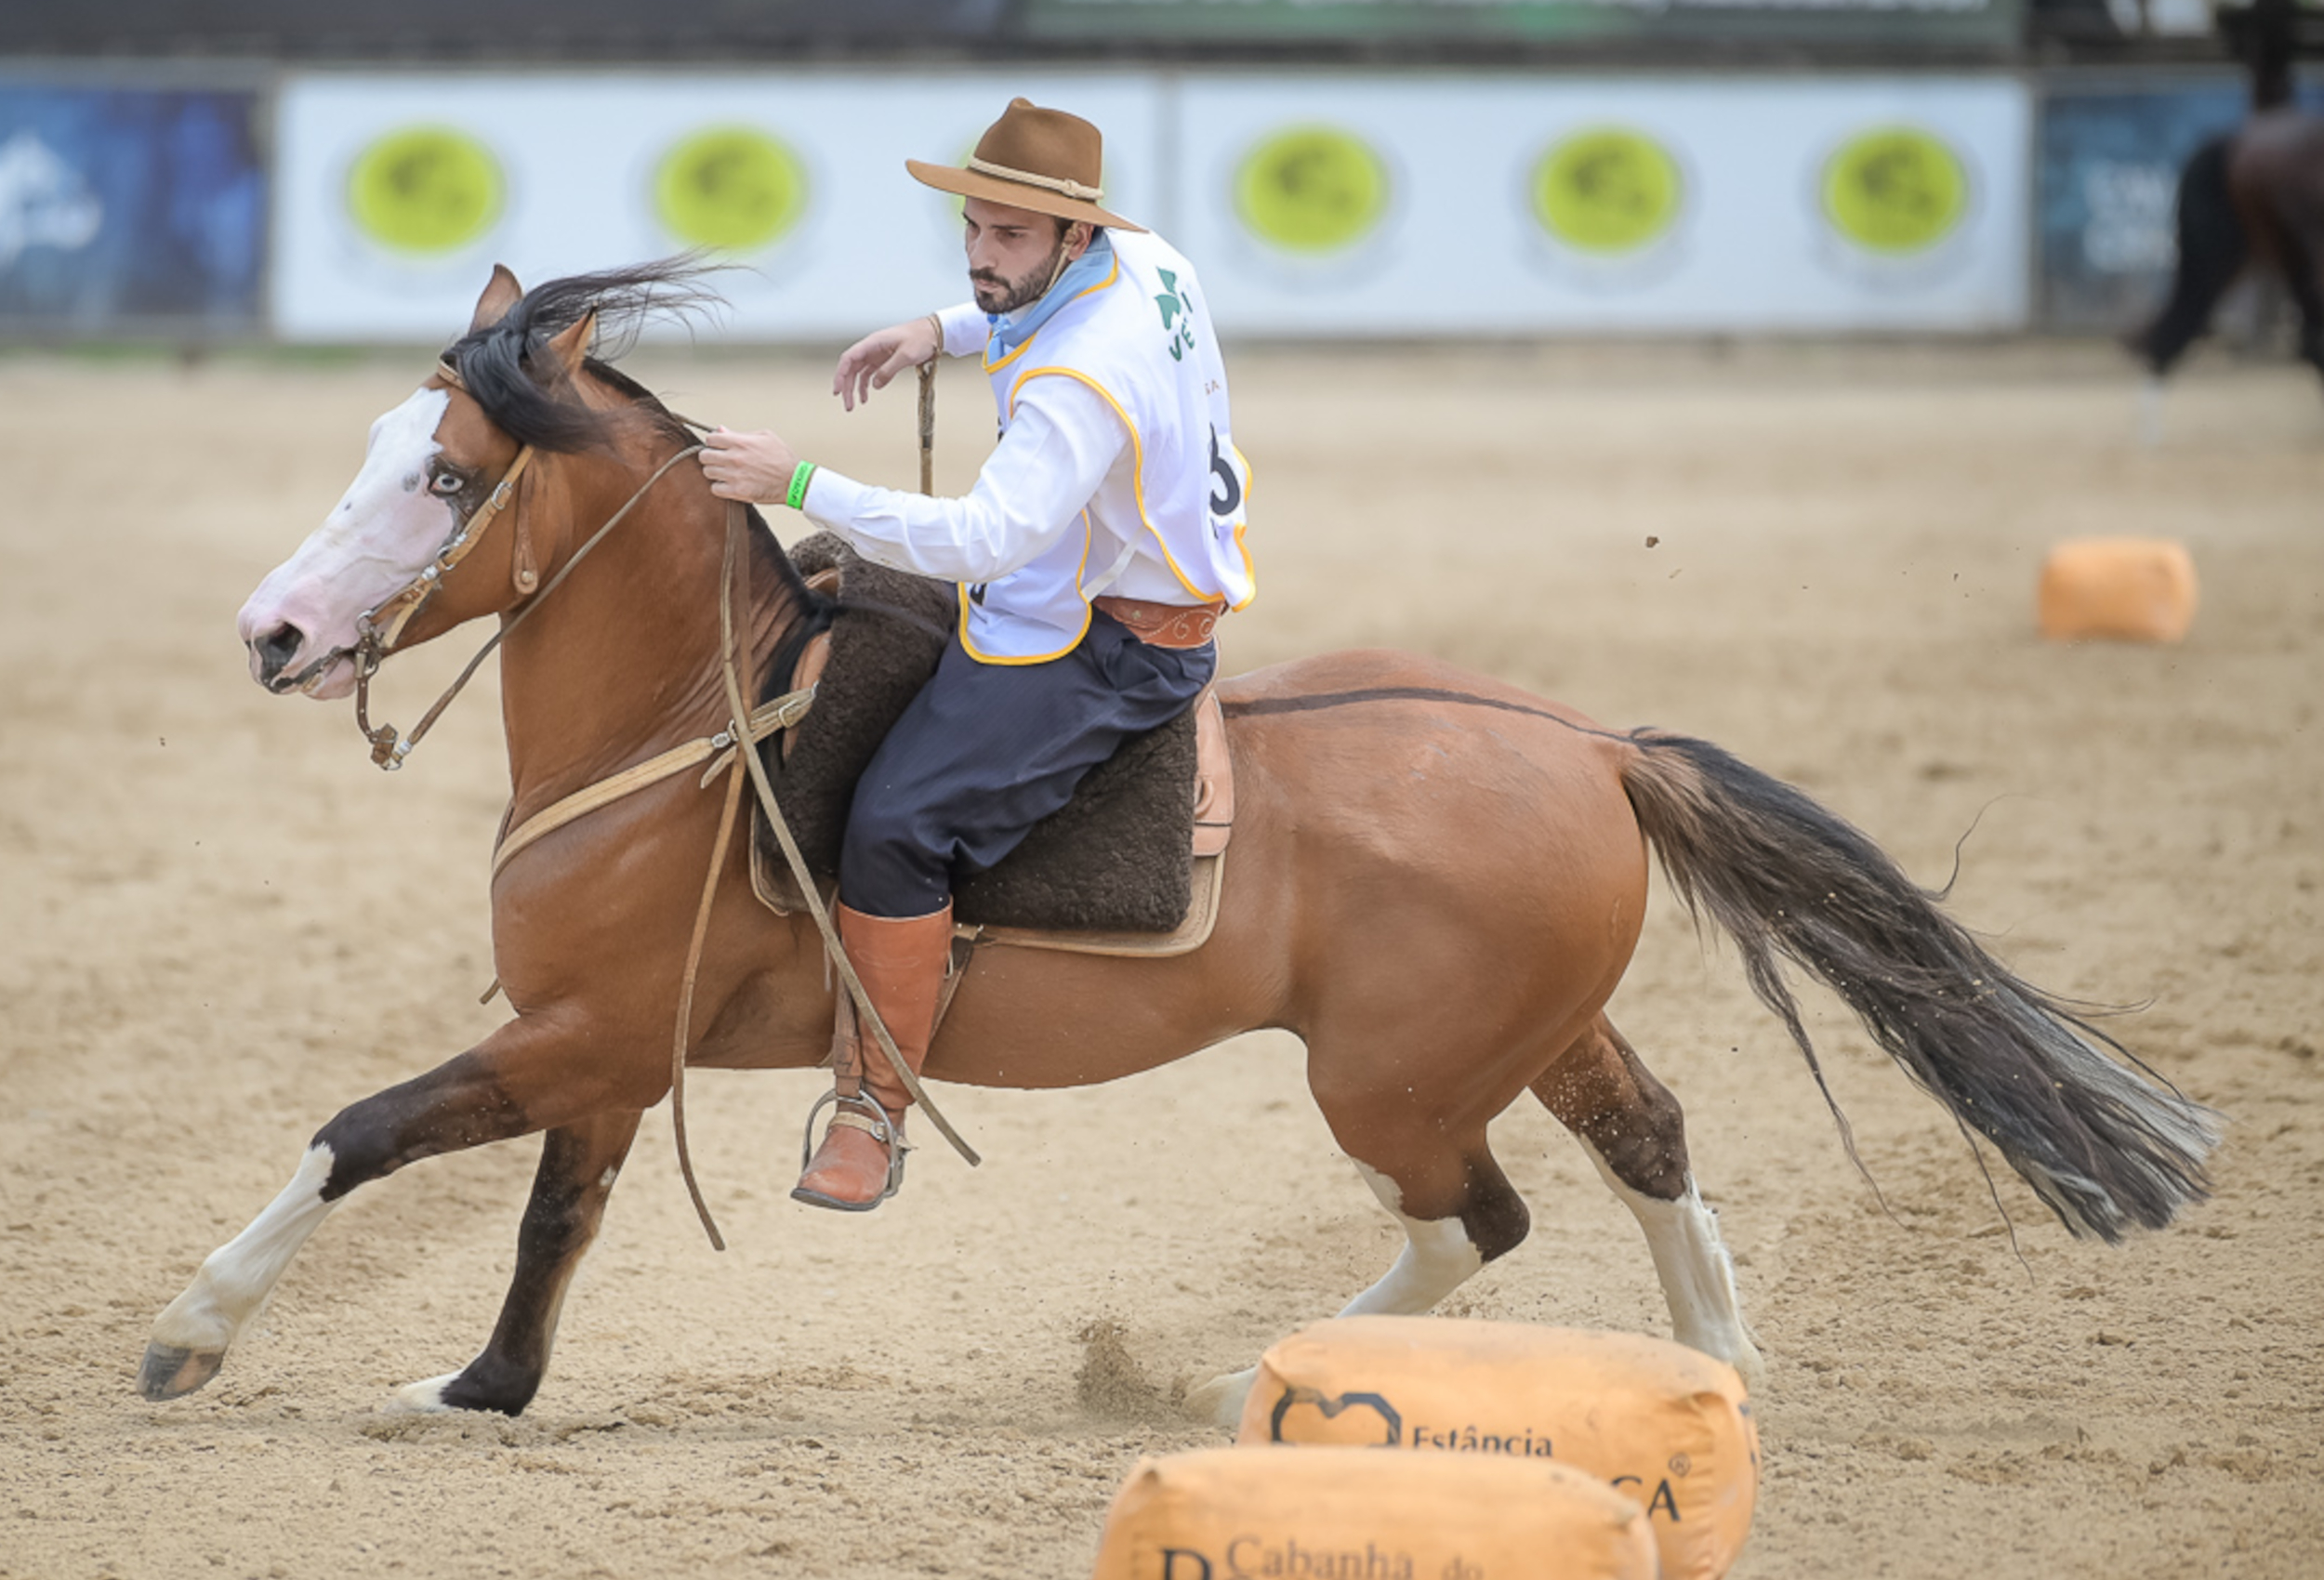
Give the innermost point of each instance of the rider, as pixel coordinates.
(1094, 556)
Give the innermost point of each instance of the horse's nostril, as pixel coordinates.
(278, 647)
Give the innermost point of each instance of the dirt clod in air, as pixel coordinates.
(1110, 1382)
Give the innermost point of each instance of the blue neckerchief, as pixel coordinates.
(1011, 330)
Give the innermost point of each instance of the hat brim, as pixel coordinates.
(1016, 195)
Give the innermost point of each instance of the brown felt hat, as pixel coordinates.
(1044, 160)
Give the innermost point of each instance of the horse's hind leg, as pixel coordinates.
(1458, 1211)
(2303, 277)
(1442, 1253)
(1633, 1130)
(2211, 253)
(579, 1166)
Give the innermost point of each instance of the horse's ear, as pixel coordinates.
(501, 292)
(572, 344)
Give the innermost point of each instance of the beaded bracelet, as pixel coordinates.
(797, 497)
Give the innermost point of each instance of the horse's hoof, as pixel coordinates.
(1220, 1401)
(172, 1373)
(424, 1397)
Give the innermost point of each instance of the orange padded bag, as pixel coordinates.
(1657, 1421)
(1349, 1514)
(2130, 589)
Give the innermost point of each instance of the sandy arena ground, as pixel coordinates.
(218, 924)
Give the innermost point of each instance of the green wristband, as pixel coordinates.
(797, 497)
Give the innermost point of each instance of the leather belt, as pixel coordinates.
(1165, 625)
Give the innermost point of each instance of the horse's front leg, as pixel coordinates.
(579, 1166)
(522, 1079)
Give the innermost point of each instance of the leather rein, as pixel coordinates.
(376, 633)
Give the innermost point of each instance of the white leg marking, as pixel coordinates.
(1437, 1259)
(2150, 413)
(235, 1279)
(423, 1398)
(1220, 1401)
(1698, 1276)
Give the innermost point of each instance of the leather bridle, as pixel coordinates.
(378, 629)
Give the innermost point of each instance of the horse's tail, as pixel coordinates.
(2103, 1146)
(2212, 251)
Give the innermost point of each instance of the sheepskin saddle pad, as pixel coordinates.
(1118, 858)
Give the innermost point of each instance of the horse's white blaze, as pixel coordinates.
(1437, 1259)
(1697, 1274)
(382, 533)
(235, 1279)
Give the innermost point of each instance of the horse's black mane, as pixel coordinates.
(505, 368)
(527, 397)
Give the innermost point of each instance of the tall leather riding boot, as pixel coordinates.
(901, 964)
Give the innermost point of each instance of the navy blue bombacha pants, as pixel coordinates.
(987, 750)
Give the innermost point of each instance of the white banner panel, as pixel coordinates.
(395, 194)
(1315, 204)
(1436, 203)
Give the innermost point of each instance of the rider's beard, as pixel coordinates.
(998, 295)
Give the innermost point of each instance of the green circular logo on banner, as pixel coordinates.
(1311, 189)
(1895, 189)
(1607, 190)
(425, 189)
(730, 187)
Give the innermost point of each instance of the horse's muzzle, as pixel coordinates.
(270, 656)
(326, 677)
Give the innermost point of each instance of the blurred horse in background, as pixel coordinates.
(2253, 198)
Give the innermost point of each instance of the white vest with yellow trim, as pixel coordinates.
(1141, 340)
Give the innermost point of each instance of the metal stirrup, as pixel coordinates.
(875, 1123)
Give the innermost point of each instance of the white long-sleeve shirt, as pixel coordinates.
(1064, 449)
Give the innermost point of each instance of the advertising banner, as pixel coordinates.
(1893, 26)
(1318, 203)
(2107, 193)
(121, 209)
(1442, 205)
(396, 194)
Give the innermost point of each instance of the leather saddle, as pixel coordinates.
(1133, 866)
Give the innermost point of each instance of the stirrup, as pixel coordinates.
(857, 1113)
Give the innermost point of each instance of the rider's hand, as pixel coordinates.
(753, 467)
(878, 357)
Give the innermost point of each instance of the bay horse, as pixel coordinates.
(2251, 198)
(1437, 881)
